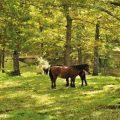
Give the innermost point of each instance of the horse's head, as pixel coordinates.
(81, 67)
(86, 68)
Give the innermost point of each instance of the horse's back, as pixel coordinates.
(63, 71)
(55, 70)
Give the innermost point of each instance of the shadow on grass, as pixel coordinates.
(29, 97)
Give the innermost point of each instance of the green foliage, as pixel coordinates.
(15, 17)
(38, 27)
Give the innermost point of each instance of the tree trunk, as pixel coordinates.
(3, 60)
(67, 59)
(96, 51)
(80, 55)
(16, 63)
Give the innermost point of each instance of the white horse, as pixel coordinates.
(43, 65)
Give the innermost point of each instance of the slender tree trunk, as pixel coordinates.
(80, 55)
(67, 59)
(3, 60)
(96, 51)
(16, 63)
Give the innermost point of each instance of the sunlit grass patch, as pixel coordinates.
(30, 97)
(28, 74)
(4, 116)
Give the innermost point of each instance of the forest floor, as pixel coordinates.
(30, 97)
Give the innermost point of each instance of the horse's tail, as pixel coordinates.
(50, 74)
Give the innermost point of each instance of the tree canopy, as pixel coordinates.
(42, 28)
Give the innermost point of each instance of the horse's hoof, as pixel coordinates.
(73, 86)
(53, 88)
(67, 85)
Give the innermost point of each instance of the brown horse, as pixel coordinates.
(67, 72)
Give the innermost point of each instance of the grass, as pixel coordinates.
(29, 97)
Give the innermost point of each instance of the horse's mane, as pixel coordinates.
(78, 67)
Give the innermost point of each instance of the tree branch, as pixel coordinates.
(80, 5)
(108, 12)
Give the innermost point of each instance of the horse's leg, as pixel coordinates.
(72, 82)
(67, 82)
(52, 84)
(82, 82)
(53, 79)
(85, 80)
(55, 82)
(81, 77)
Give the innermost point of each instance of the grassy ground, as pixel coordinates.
(29, 97)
